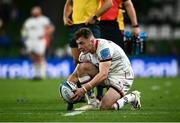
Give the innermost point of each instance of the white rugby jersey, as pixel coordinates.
(34, 27)
(108, 50)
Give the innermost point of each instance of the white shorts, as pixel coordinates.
(36, 46)
(121, 85)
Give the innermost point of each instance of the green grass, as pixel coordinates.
(26, 100)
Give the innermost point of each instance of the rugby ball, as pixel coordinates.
(66, 91)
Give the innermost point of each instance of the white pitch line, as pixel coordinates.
(80, 110)
(73, 113)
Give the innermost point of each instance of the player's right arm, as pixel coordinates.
(74, 76)
(24, 30)
(104, 8)
(67, 12)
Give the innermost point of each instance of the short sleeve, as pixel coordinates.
(45, 21)
(105, 53)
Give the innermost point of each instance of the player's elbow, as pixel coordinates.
(127, 3)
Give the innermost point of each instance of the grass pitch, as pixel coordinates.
(26, 100)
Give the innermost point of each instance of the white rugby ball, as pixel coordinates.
(66, 91)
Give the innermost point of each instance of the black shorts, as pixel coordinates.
(110, 31)
(72, 29)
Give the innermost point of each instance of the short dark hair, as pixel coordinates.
(85, 32)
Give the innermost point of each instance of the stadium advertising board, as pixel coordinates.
(143, 67)
(18, 68)
(155, 66)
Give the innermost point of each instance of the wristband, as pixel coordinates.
(84, 88)
(90, 85)
(95, 17)
(135, 26)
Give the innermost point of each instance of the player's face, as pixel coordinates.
(36, 11)
(84, 44)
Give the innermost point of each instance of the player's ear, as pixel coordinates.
(91, 40)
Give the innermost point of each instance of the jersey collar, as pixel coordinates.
(96, 42)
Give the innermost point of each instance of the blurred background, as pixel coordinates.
(159, 18)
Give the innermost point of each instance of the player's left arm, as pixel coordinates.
(49, 29)
(132, 15)
(105, 54)
(101, 76)
(24, 30)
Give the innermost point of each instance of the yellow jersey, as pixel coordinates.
(120, 17)
(83, 9)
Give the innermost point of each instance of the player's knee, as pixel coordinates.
(84, 67)
(104, 105)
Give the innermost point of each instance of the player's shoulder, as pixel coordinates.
(43, 18)
(29, 21)
(103, 43)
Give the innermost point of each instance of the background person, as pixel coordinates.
(112, 22)
(37, 31)
(83, 13)
(131, 12)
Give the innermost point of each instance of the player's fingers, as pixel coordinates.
(136, 31)
(79, 98)
(86, 23)
(69, 22)
(75, 98)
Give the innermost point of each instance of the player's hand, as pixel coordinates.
(67, 21)
(90, 20)
(135, 31)
(78, 94)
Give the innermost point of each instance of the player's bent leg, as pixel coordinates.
(87, 69)
(40, 66)
(133, 98)
(109, 99)
(36, 66)
(91, 70)
(136, 104)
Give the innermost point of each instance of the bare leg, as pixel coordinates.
(39, 65)
(87, 69)
(109, 99)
